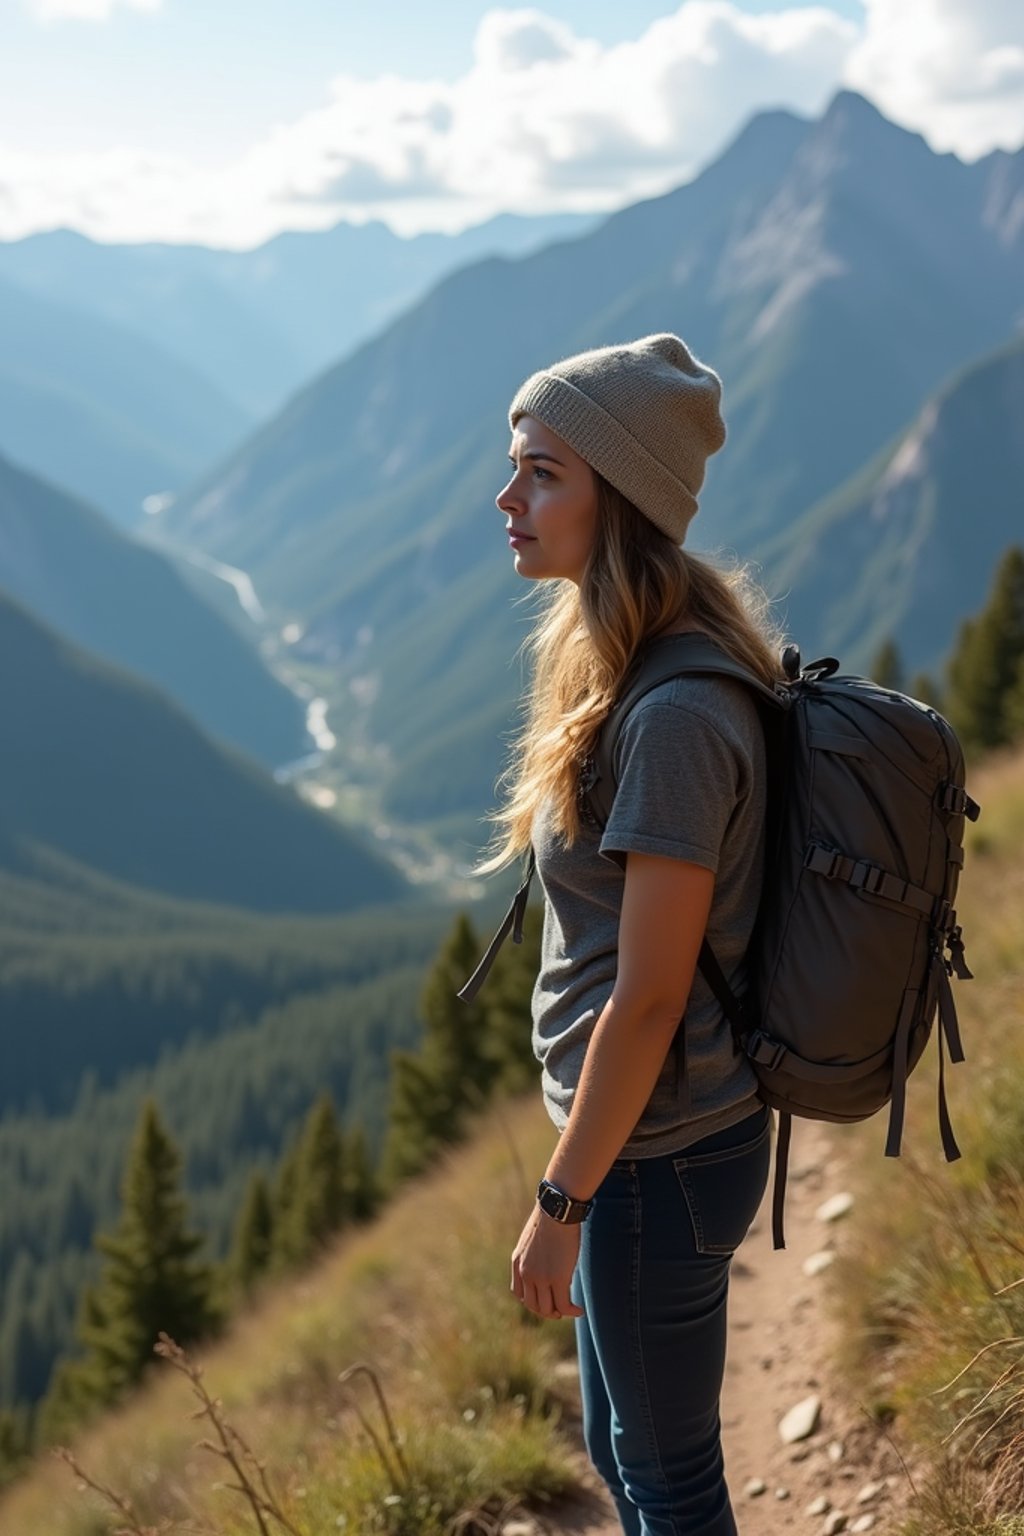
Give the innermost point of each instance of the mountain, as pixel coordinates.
(125, 602)
(907, 547)
(834, 271)
(260, 323)
(100, 767)
(104, 412)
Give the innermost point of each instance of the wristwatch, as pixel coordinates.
(560, 1206)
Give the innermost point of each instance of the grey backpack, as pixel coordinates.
(848, 965)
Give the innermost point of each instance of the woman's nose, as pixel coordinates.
(507, 501)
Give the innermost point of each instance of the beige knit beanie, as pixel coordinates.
(645, 415)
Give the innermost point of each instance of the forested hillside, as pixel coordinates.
(75, 570)
(103, 769)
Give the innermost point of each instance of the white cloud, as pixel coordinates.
(952, 69)
(85, 10)
(545, 119)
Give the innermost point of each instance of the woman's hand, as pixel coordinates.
(543, 1263)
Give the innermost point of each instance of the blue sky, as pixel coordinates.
(225, 120)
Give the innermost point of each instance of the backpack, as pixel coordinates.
(847, 964)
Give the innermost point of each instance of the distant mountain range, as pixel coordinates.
(101, 768)
(258, 324)
(102, 410)
(126, 603)
(836, 272)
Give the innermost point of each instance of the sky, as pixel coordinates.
(225, 121)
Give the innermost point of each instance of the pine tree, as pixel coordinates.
(508, 1003)
(284, 1245)
(319, 1204)
(434, 1090)
(984, 669)
(153, 1278)
(254, 1233)
(362, 1196)
(1014, 718)
(887, 668)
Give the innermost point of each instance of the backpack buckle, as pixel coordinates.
(765, 1052)
(867, 877)
(823, 861)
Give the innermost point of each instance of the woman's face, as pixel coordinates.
(550, 504)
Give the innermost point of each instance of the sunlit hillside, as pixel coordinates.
(471, 1380)
(480, 1396)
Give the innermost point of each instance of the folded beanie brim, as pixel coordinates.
(610, 448)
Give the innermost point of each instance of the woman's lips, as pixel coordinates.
(520, 538)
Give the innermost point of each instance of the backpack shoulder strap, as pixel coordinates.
(685, 655)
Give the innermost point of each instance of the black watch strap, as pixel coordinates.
(554, 1202)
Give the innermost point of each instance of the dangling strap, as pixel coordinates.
(781, 1168)
(949, 1031)
(900, 1051)
(512, 923)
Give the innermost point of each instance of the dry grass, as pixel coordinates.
(932, 1286)
(422, 1295)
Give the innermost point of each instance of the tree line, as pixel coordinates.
(983, 696)
(155, 1273)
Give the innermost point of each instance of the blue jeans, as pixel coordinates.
(652, 1278)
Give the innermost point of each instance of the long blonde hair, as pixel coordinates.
(636, 584)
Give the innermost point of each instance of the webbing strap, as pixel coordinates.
(901, 1044)
(781, 1168)
(949, 1030)
(870, 878)
(947, 1010)
(512, 923)
(726, 998)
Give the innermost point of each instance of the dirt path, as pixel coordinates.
(780, 1353)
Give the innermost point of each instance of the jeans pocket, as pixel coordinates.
(723, 1190)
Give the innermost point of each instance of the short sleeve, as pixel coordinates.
(678, 783)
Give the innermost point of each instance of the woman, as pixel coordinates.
(654, 1185)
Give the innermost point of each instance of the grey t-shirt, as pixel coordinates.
(690, 784)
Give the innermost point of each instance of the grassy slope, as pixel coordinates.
(423, 1295)
(936, 1243)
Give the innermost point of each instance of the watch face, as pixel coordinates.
(553, 1203)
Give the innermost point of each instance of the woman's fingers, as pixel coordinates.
(564, 1303)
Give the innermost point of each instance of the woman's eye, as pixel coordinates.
(545, 472)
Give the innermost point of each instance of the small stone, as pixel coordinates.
(834, 1523)
(819, 1506)
(801, 1420)
(835, 1207)
(818, 1262)
(782, 1493)
(755, 1487)
(800, 1453)
(835, 1451)
(863, 1523)
(870, 1491)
